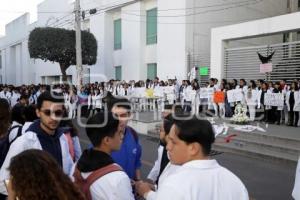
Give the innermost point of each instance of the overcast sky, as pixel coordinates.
(11, 9)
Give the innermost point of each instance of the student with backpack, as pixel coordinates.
(42, 134)
(98, 176)
(18, 120)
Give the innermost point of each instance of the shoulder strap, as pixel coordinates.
(101, 172)
(98, 174)
(18, 134)
(19, 131)
(134, 133)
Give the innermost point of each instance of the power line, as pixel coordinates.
(61, 18)
(235, 5)
(202, 12)
(41, 12)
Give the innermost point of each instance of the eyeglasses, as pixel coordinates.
(57, 113)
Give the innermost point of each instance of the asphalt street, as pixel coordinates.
(264, 180)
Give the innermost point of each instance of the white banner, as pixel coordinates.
(203, 93)
(274, 99)
(266, 68)
(235, 95)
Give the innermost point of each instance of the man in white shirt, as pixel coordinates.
(198, 177)
(103, 178)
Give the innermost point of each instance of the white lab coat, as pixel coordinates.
(297, 101)
(98, 101)
(113, 186)
(14, 132)
(14, 99)
(202, 179)
(153, 174)
(31, 141)
(169, 170)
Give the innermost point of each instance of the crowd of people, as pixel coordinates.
(190, 95)
(39, 143)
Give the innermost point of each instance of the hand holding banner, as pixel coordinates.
(274, 99)
(235, 95)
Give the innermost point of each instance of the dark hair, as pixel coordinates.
(119, 102)
(47, 96)
(196, 130)
(23, 96)
(296, 85)
(105, 125)
(4, 116)
(46, 178)
(253, 84)
(17, 114)
(167, 123)
(30, 114)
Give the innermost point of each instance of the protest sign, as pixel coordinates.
(219, 97)
(274, 99)
(266, 68)
(203, 93)
(235, 95)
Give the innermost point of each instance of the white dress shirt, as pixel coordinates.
(202, 179)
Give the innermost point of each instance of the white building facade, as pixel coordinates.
(137, 39)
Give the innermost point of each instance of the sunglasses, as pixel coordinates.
(57, 113)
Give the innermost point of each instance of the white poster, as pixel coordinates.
(203, 93)
(274, 99)
(235, 95)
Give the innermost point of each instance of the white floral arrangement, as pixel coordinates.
(240, 115)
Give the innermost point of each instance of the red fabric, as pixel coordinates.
(85, 184)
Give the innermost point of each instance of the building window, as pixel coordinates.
(151, 71)
(151, 26)
(118, 72)
(286, 37)
(117, 34)
(0, 61)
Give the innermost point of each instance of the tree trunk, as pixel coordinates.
(63, 69)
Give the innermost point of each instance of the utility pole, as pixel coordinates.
(78, 44)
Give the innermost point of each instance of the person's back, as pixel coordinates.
(196, 178)
(114, 185)
(98, 176)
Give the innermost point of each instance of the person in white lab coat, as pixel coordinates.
(198, 177)
(109, 181)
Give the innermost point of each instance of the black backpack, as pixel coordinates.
(5, 144)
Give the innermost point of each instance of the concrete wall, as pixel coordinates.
(171, 40)
(204, 17)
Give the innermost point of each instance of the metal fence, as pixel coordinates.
(244, 62)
